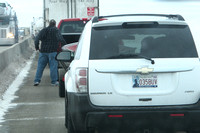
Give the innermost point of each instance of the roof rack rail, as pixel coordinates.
(177, 16)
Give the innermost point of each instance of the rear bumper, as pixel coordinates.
(137, 121)
(176, 118)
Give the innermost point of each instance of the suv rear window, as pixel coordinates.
(162, 41)
(72, 26)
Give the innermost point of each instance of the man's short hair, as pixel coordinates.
(52, 22)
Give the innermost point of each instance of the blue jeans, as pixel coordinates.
(44, 59)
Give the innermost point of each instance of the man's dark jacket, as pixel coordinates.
(50, 38)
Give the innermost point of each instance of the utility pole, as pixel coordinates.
(98, 7)
(44, 11)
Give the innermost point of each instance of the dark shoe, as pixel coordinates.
(36, 83)
(55, 84)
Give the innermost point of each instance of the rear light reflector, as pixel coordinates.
(82, 73)
(115, 116)
(174, 115)
(81, 79)
(102, 19)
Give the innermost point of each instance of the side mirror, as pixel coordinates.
(64, 56)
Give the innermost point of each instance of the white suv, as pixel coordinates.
(134, 73)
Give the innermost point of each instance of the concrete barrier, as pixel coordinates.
(16, 53)
(12, 60)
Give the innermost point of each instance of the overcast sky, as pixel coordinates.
(189, 9)
(26, 10)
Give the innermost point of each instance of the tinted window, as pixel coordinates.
(72, 26)
(155, 42)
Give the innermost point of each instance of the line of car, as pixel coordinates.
(6, 10)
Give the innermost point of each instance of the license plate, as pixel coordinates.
(145, 81)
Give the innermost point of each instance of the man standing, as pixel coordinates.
(50, 38)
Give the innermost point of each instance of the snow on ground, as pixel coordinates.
(9, 94)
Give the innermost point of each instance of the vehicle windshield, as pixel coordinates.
(162, 41)
(72, 26)
(2, 5)
(3, 22)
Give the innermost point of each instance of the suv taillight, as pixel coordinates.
(81, 79)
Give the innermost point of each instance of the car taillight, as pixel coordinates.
(176, 115)
(102, 19)
(81, 79)
(115, 116)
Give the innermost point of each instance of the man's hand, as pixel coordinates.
(37, 48)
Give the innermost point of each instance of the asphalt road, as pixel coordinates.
(38, 109)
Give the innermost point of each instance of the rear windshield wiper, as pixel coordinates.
(122, 56)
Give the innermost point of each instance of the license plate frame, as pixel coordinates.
(144, 81)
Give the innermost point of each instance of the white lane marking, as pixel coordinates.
(39, 118)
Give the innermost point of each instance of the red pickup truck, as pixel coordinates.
(71, 30)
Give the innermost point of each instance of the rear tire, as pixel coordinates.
(68, 120)
(61, 73)
(70, 128)
(66, 113)
(61, 88)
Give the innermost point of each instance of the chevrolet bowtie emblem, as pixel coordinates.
(144, 70)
